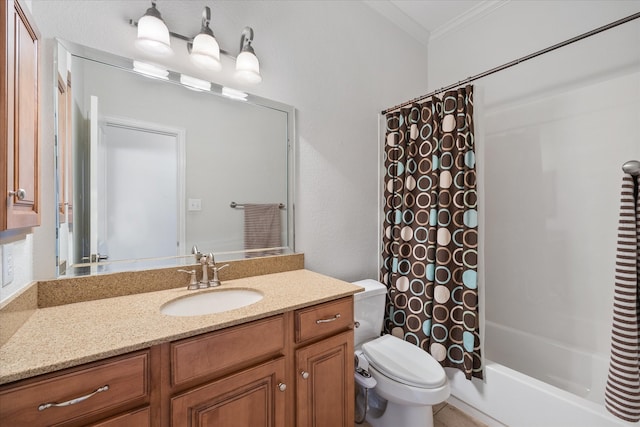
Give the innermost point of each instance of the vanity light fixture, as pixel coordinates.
(154, 37)
(205, 50)
(153, 34)
(247, 65)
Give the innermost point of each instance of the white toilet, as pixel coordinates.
(407, 377)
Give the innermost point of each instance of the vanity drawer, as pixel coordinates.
(120, 381)
(218, 352)
(139, 418)
(324, 319)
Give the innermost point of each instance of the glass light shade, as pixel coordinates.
(206, 52)
(153, 36)
(248, 68)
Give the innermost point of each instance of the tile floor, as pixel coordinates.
(445, 415)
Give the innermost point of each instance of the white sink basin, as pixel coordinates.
(211, 302)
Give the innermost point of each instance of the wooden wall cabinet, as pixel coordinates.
(292, 369)
(19, 133)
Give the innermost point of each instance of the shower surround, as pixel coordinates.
(551, 180)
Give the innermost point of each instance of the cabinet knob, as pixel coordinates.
(19, 193)
(282, 386)
(304, 374)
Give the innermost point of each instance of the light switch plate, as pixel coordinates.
(7, 264)
(194, 205)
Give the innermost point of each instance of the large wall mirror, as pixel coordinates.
(151, 163)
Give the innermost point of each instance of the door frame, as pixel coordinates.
(180, 135)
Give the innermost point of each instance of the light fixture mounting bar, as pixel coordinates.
(189, 40)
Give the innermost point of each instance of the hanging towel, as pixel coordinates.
(262, 228)
(622, 394)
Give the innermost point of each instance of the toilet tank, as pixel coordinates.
(369, 310)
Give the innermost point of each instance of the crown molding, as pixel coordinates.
(484, 8)
(400, 19)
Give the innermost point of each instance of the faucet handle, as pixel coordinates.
(215, 281)
(193, 283)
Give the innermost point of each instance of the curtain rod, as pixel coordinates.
(518, 61)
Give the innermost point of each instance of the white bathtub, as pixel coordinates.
(507, 397)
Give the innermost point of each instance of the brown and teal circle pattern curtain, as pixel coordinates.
(430, 236)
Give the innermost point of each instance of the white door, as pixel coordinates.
(139, 183)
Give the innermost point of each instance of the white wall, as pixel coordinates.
(515, 28)
(556, 130)
(338, 63)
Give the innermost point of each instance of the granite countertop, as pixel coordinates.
(69, 335)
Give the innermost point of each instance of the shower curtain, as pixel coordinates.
(430, 230)
(622, 393)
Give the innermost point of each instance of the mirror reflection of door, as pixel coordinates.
(139, 175)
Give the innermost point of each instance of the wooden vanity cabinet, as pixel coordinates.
(110, 393)
(234, 377)
(253, 397)
(136, 418)
(292, 369)
(324, 365)
(19, 133)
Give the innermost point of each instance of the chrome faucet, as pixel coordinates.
(205, 261)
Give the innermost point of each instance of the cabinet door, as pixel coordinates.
(251, 398)
(324, 383)
(19, 161)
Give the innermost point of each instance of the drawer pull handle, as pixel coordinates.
(332, 319)
(73, 401)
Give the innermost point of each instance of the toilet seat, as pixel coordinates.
(404, 362)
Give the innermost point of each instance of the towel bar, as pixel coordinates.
(241, 205)
(632, 167)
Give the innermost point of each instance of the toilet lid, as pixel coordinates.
(404, 362)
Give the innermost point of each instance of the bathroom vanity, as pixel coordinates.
(286, 360)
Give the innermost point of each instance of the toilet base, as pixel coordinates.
(402, 415)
